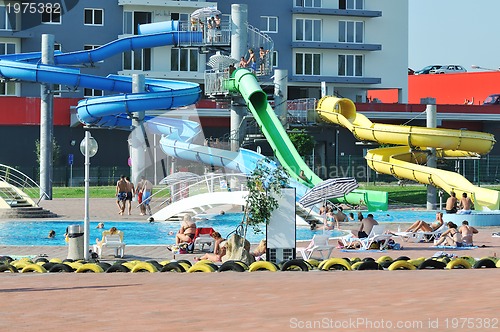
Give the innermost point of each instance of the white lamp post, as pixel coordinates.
(88, 147)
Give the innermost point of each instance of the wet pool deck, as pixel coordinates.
(441, 300)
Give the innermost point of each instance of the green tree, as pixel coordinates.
(303, 142)
(56, 151)
(264, 184)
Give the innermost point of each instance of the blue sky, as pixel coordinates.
(460, 32)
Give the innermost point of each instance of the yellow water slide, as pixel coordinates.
(407, 160)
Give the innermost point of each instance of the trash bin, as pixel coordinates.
(75, 242)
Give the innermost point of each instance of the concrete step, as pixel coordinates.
(27, 213)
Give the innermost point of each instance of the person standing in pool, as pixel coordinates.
(121, 194)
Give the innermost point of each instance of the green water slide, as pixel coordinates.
(245, 83)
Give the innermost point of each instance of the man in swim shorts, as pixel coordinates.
(121, 194)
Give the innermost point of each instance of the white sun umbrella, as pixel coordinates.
(220, 61)
(331, 188)
(205, 12)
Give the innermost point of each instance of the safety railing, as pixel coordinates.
(21, 181)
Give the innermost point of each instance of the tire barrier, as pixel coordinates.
(458, 263)
(432, 264)
(295, 265)
(57, 268)
(89, 268)
(8, 268)
(336, 264)
(401, 265)
(201, 267)
(231, 266)
(313, 262)
(155, 264)
(369, 266)
(144, 267)
(486, 263)
(117, 268)
(173, 267)
(33, 268)
(263, 266)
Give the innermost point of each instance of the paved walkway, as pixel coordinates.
(444, 300)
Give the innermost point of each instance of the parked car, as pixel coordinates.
(492, 100)
(448, 69)
(427, 69)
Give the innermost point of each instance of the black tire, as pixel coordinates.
(432, 264)
(120, 261)
(117, 268)
(6, 259)
(402, 258)
(41, 259)
(385, 264)
(368, 259)
(231, 266)
(485, 263)
(8, 268)
(61, 268)
(293, 264)
(158, 266)
(68, 260)
(47, 266)
(173, 267)
(184, 261)
(370, 266)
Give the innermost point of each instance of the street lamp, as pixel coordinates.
(88, 147)
(484, 68)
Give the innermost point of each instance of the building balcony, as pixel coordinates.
(336, 12)
(168, 3)
(337, 46)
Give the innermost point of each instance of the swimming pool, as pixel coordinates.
(34, 233)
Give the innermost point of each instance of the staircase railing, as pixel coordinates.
(21, 181)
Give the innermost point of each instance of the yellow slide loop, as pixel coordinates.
(262, 266)
(336, 264)
(89, 267)
(33, 268)
(458, 263)
(401, 265)
(201, 267)
(384, 259)
(144, 267)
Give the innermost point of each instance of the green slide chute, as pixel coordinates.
(245, 83)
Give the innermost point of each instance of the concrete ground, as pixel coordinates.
(440, 300)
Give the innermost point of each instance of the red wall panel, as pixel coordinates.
(26, 111)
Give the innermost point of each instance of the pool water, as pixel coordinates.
(34, 233)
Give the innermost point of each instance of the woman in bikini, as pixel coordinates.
(219, 249)
(187, 230)
(452, 236)
(421, 225)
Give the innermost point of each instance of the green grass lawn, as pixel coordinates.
(409, 194)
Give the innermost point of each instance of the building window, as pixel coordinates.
(52, 17)
(94, 16)
(8, 19)
(269, 24)
(180, 17)
(274, 59)
(7, 88)
(131, 21)
(350, 65)
(307, 30)
(350, 4)
(351, 32)
(308, 3)
(57, 47)
(307, 64)
(137, 60)
(92, 93)
(184, 59)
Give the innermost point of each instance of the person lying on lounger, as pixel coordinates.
(421, 225)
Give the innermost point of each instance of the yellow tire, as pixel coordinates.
(200, 267)
(130, 265)
(73, 265)
(89, 267)
(204, 261)
(144, 266)
(55, 260)
(336, 262)
(458, 263)
(313, 262)
(498, 264)
(401, 265)
(33, 268)
(469, 259)
(242, 264)
(384, 259)
(494, 259)
(416, 262)
(262, 266)
(20, 264)
(355, 260)
(186, 266)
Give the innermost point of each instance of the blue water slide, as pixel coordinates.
(116, 110)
